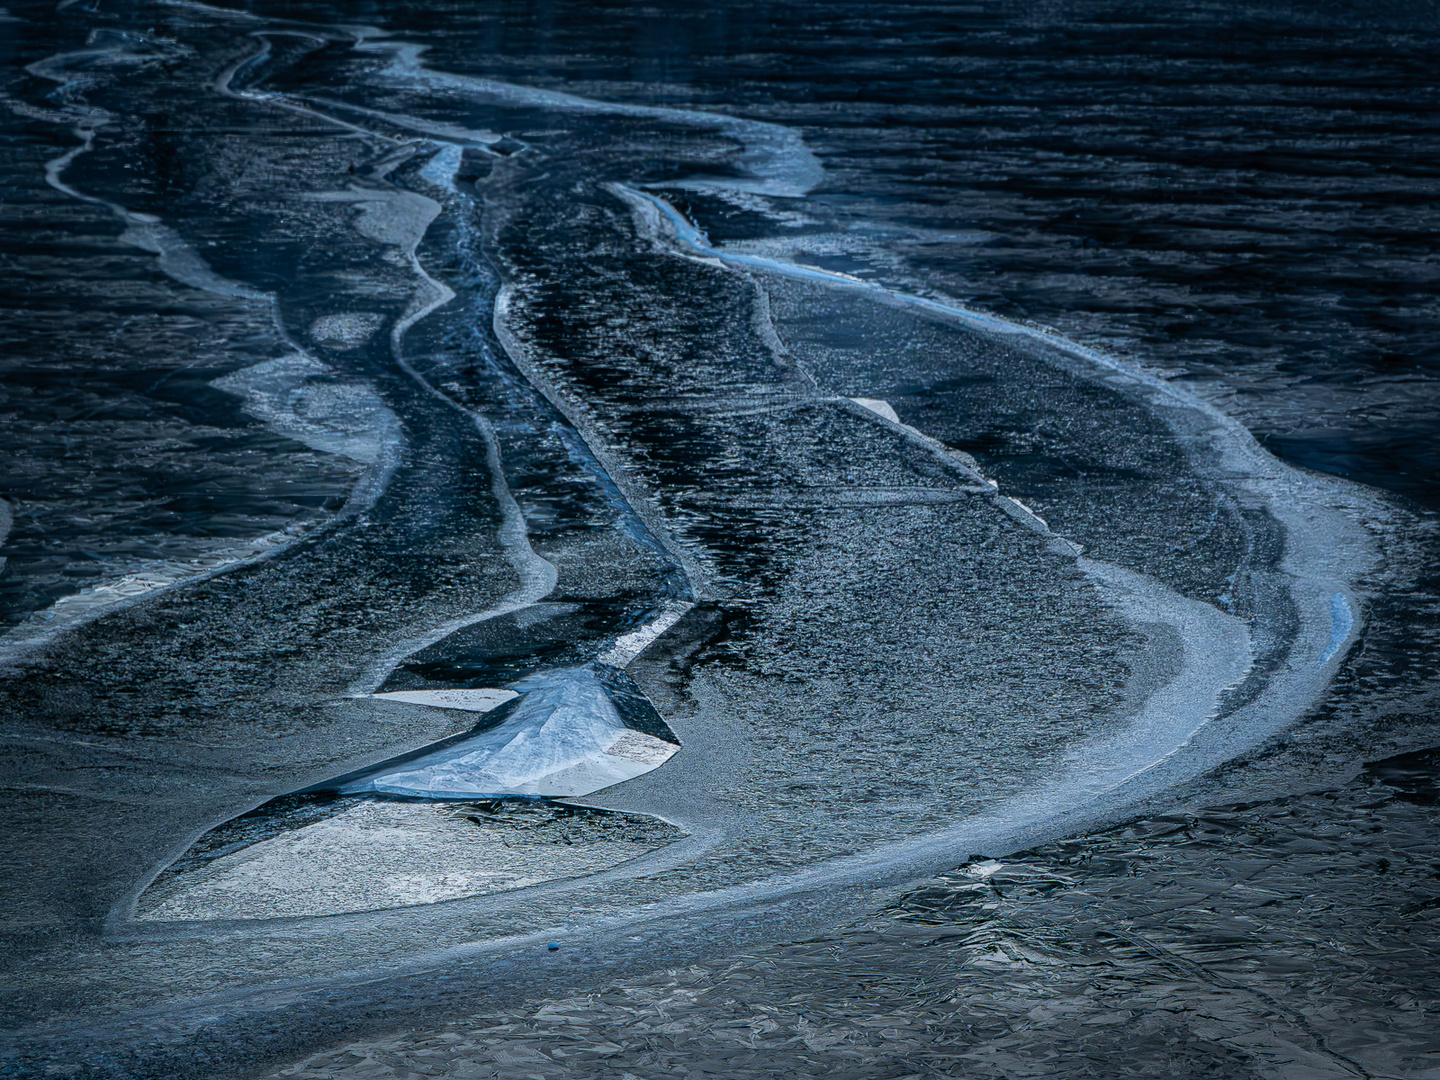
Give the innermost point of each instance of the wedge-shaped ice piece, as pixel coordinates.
(482, 700)
(565, 736)
(363, 854)
(879, 407)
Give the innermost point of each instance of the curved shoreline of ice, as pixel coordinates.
(1172, 739)
(1218, 658)
(267, 390)
(781, 165)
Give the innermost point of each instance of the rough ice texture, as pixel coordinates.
(381, 854)
(1207, 944)
(838, 718)
(346, 331)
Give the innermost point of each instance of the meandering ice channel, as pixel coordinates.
(789, 584)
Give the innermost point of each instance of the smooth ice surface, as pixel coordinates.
(879, 407)
(565, 737)
(1342, 624)
(482, 700)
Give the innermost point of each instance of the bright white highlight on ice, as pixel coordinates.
(564, 738)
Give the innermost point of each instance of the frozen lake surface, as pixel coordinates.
(878, 467)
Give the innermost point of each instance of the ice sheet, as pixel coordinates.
(380, 854)
(776, 158)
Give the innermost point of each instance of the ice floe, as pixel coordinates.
(879, 407)
(564, 735)
(347, 331)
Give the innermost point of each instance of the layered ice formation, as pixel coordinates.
(479, 701)
(910, 580)
(563, 736)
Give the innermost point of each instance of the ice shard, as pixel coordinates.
(565, 735)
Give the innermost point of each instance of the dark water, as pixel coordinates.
(995, 437)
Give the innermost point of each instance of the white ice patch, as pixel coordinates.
(440, 170)
(879, 407)
(347, 331)
(564, 738)
(628, 646)
(395, 217)
(982, 870)
(1342, 622)
(379, 855)
(480, 701)
(293, 395)
(646, 749)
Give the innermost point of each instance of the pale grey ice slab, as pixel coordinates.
(385, 854)
(564, 738)
(348, 330)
